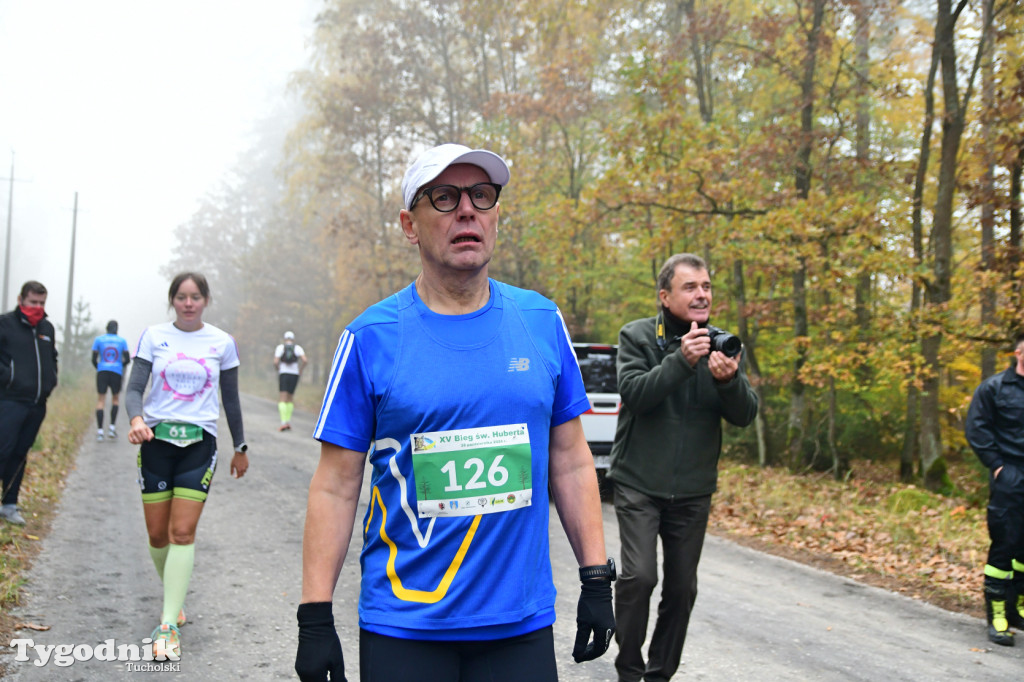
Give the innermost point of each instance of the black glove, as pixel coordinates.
(319, 650)
(594, 614)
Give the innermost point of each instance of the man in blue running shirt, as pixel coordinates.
(109, 356)
(464, 395)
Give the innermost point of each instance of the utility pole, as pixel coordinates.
(71, 284)
(7, 250)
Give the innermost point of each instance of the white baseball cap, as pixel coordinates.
(289, 335)
(432, 163)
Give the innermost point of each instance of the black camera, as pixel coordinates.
(724, 342)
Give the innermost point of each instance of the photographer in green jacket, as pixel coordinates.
(678, 377)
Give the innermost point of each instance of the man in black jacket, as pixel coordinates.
(676, 388)
(28, 373)
(995, 429)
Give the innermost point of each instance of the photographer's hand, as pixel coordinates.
(695, 344)
(723, 368)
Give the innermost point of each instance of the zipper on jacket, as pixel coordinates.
(39, 365)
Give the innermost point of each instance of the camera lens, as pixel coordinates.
(724, 342)
(728, 344)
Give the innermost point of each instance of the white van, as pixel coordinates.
(597, 364)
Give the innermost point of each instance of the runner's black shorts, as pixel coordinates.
(514, 659)
(107, 379)
(166, 470)
(287, 382)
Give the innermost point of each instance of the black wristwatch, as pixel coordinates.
(606, 571)
(243, 448)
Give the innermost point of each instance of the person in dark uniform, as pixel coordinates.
(995, 430)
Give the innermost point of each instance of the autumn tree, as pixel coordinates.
(938, 286)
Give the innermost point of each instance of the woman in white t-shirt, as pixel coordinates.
(176, 430)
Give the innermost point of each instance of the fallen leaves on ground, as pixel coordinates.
(869, 528)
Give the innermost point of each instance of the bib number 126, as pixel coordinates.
(497, 475)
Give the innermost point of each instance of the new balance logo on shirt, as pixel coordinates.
(519, 365)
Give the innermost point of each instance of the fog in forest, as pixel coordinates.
(144, 110)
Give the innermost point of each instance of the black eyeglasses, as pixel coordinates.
(446, 198)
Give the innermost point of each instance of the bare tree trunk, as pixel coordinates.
(797, 401)
(862, 292)
(749, 338)
(1015, 198)
(988, 220)
(840, 463)
(701, 69)
(939, 289)
(909, 453)
(862, 38)
(1015, 215)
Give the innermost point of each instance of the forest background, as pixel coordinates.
(850, 170)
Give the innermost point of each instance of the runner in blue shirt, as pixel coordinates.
(109, 356)
(464, 395)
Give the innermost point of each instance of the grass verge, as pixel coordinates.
(49, 461)
(928, 546)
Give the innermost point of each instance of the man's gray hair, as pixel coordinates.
(668, 270)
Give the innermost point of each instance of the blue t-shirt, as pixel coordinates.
(111, 348)
(457, 548)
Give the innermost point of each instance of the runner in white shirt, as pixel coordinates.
(176, 430)
(290, 360)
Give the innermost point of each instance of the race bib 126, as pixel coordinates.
(465, 472)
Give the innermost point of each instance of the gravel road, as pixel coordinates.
(757, 617)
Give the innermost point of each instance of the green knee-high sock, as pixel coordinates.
(282, 409)
(159, 555)
(177, 574)
(289, 408)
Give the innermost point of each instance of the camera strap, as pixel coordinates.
(660, 337)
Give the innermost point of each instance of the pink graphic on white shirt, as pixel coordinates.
(187, 377)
